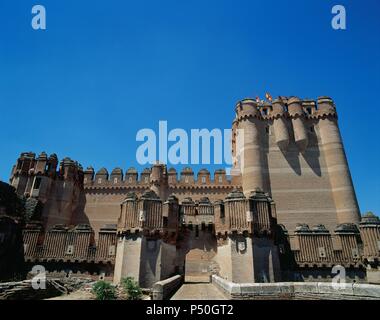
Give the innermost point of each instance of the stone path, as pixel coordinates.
(198, 291)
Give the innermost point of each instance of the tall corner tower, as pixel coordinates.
(340, 178)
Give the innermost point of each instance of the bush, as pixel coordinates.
(104, 291)
(132, 288)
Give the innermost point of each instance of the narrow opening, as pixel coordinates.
(222, 214)
(197, 231)
(37, 183)
(165, 222)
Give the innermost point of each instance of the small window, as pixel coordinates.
(146, 179)
(220, 179)
(130, 179)
(186, 180)
(37, 183)
(85, 180)
(309, 111)
(142, 216)
(70, 250)
(111, 250)
(322, 252)
(100, 180)
(267, 130)
(196, 231)
(115, 180)
(311, 129)
(203, 179)
(265, 112)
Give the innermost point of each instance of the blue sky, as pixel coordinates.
(105, 69)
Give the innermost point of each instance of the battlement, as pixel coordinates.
(288, 107)
(43, 165)
(348, 245)
(132, 178)
(69, 244)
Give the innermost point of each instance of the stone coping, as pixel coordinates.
(297, 290)
(162, 290)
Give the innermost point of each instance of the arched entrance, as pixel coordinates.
(201, 249)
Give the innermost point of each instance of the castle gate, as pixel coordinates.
(201, 247)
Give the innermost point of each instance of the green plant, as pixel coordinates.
(104, 291)
(132, 288)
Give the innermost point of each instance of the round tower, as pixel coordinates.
(340, 178)
(248, 145)
(159, 181)
(280, 130)
(297, 115)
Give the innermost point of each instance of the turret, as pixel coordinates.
(279, 126)
(89, 175)
(187, 176)
(340, 178)
(248, 145)
(203, 176)
(41, 163)
(172, 176)
(52, 164)
(159, 181)
(21, 174)
(101, 176)
(296, 113)
(116, 176)
(129, 216)
(68, 169)
(131, 176)
(370, 234)
(171, 214)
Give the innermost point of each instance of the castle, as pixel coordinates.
(289, 214)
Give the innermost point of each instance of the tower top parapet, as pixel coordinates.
(29, 164)
(292, 107)
(247, 108)
(326, 107)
